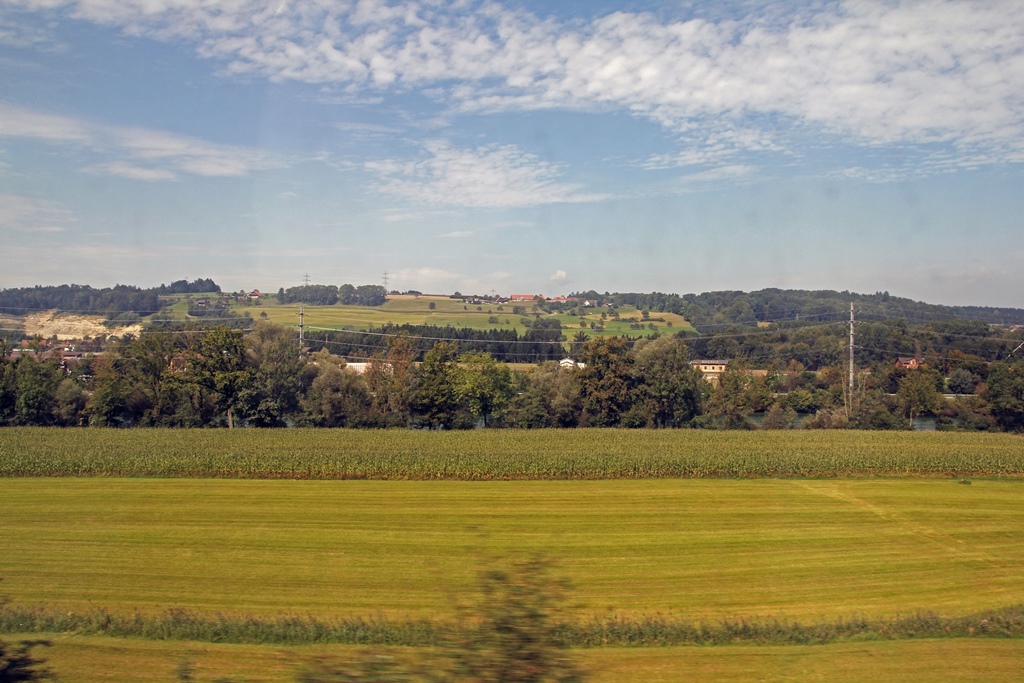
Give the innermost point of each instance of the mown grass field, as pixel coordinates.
(693, 549)
(86, 659)
(505, 454)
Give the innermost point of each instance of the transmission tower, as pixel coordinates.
(385, 280)
(851, 348)
(305, 280)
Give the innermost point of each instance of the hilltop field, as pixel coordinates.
(402, 309)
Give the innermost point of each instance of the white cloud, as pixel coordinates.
(868, 71)
(132, 172)
(18, 122)
(136, 153)
(559, 276)
(30, 215)
(493, 177)
(401, 216)
(367, 129)
(458, 234)
(191, 155)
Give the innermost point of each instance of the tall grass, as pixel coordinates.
(504, 454)
(657, 630)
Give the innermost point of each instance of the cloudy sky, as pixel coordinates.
(516, 145)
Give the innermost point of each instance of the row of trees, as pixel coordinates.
(223, 376)
(541, 341)
(329, 295)
(110, 301)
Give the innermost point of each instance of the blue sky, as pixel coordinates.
(519, 146)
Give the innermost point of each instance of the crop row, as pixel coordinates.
(504, 455)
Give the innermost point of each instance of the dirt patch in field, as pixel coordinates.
(70, 326)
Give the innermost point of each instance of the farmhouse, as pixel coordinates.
(711, 369)
(907, 363)
(569, 364)
(526, 297)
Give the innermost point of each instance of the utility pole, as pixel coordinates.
(851, 348)
(849, 388)
(302, 327)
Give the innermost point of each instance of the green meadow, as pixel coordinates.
(694, 549)
(412, 310)
(86, 659)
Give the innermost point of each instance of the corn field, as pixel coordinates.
(483, 455)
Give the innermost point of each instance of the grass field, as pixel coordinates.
(413, 310)
(692, 549)
(674, 527)
(505, 454)
(86, 659)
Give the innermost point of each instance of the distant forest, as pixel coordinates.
(712, 311)
(110, 301)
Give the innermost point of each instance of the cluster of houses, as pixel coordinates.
(228, 297)
(68, 354)
(713, 369)
(535, 298)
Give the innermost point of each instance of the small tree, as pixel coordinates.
(219, 364)
(917, 394)
(437, 399)
(18, 664)
(518, 614)
(730, 403)
(484, 384)
(961, 381)
(509, 634)
(1005, 394)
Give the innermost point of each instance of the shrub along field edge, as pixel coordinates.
(482, 455)
(176, 624)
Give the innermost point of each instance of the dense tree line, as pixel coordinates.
(945, 345)
(197, 286)
(329, 295)
(109, 302)
(223, 376)
(542, 341)
(713, 311)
